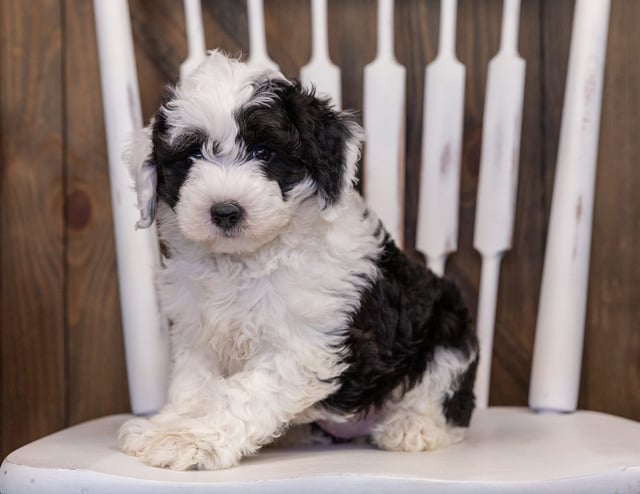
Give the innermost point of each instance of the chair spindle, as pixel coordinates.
(145, 333)
(437, 234)
(497, 188)
(384, 123)
(557, 355)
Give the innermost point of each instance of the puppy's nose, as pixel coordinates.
(226, 214)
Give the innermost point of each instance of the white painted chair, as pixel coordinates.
(548, 448)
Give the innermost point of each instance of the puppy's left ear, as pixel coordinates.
(137, 155)
(332, 141)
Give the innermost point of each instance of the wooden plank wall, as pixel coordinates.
(60, 341)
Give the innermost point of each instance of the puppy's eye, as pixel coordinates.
(196, 154)
(261, 153)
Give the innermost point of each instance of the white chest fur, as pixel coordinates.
(294, 294)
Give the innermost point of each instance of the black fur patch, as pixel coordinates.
(305, 136)
(173, 161)
(404, 317)
(459, 406)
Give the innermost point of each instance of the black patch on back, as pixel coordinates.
(459, 406)
(305, 135)
(404, 317)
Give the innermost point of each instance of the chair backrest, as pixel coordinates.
(561, 314)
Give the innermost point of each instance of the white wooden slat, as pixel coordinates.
(555, 376)
(195, 37)
(497, 187)
(384, 122)
(437, 234)
(258, 54)
(320, 71)
(146, 339)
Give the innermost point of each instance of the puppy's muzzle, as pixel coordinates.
(226, 215)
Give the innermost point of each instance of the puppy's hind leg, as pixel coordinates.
(436, 412)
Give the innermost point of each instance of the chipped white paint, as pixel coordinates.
(146, 339)
(437, 234)
(384, 122)
(497, 187)
(195, 37)
(258, 54)
(320, 71)
(557, 356)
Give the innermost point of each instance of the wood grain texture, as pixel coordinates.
(160, 47)
(611, 377)
(522, 265)
(288, 20)
(416, 44)
(31, 227)
(94, 330)
(478, 36)
(59, 288)
(352, 24)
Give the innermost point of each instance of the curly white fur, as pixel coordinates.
(258, 315)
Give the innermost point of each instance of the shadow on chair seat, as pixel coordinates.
(507, 450)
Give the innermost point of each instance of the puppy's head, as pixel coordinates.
(235, 149)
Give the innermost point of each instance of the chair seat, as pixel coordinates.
(506, 450)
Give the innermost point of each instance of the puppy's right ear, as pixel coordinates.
(144, 173)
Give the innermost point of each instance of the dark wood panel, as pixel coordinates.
(352, 45)
(555, 39)
(288, 29)
(160, 46)
(521, 266)
(31, 227)
(477, 41)
(96, 370)
(226, 26)
(611, 377)
(416, 44)
(478, 38)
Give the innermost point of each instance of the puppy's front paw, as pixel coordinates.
(175, 447)
(185, 450)
(135, 435)
(414, 433)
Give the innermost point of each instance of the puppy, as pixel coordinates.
(288, 300)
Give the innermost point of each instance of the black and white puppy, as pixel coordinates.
(288, 300)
